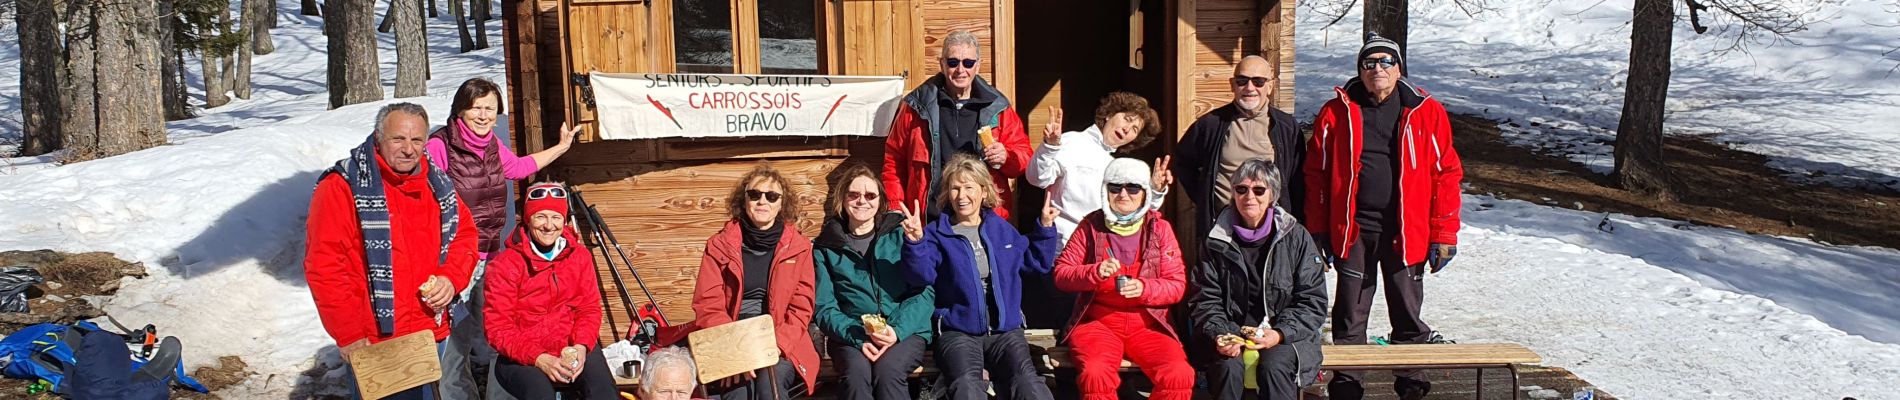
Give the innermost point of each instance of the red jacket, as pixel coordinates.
(789, 299)
(536, 306)
(1429, 174)
(334, 260)
(907, 169)
(1163, 274)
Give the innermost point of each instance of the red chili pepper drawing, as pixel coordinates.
(663, 110)
(834, 109)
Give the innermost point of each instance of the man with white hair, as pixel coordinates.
(955, 111)
(668, 374)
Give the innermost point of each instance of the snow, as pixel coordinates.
(1821, 103)
(1651, 308)
(218, 215)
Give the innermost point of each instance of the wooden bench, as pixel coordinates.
(1476, 356)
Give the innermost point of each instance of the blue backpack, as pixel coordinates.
(56, 352)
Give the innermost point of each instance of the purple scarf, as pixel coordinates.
(1254, 235)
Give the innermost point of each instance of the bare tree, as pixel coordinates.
(310, 7)
(211, 19)
(459, 12)
(79, 103)
(177, 103)
(481, 14)
(127, 63)
(412, 53)
(259, 16)
(39, 76)
(1640, 164)
(1389, 18)
(352, 74)
(251, 18)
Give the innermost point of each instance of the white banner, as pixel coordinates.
(648, 106)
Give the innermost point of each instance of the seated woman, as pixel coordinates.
(760, 265)
(543, 308)
(977, 263)
(1258, 287)
(878, 323)
(1126, 264)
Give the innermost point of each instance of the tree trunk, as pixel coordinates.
(481, 22)
(130, 118)
(259, 16)
(457, 11)
(431, 6)
(483, 10)
(352, 73)
(79, 101)
(215, 68)
(249, 15)
(172, 64)
(311, 8)
(412, 53)
(1389, 19)
(1639, 133)
(39, 76)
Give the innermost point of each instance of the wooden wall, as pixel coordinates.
(1225, 31)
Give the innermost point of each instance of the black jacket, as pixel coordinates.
(1295, 286)
(1197, 160)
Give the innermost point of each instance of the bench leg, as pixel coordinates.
(1514, 385)
(1479, 393)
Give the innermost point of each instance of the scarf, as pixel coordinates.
(474, 141)
(372, 210)
(1254, 235)
(762, 240)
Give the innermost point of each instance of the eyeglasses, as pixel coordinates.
(1243, 80)
(952, 62)
(1381, 62)
(1258, 191)
(754, 195)
(546, 192)
(854, 196)
(1128, 188)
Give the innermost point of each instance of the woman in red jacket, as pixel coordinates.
(1126, 264)
(760, 265)
(543, 309)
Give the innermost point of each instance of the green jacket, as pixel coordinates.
(851, 284)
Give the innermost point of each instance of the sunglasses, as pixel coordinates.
(952, 62)
(1381, 62)
(546, 192)
(1258, 191)
(754, 195)
(854, 196)
(1128, 188)
(1243, 80)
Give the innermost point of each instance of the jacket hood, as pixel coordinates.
(836, 235)
(1410, 96)
(521, 242)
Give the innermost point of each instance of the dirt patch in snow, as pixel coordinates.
(1721, 187)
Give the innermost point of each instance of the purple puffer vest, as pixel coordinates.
(479, 181)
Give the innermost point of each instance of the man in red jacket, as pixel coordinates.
(1382, 187)
(388, 244)
(955, 111)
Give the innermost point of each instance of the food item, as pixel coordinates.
(874, 323)
(984, 134)
(1228, 340)
(573, 357)
(427, 284)
(1249, 331)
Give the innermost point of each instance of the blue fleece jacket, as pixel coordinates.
(944, 261)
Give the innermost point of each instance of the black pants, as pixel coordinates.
(888, 378)
(1276, 374)
(1352, 304)
(962, 358)
(782, 379)
(528, 382)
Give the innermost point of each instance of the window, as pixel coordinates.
(702, 36)
(788, 37)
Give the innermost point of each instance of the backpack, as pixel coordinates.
(54, 353)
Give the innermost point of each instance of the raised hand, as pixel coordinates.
(1108, 268)
(568, 133)
(1163, 176)
(913, 224)
(1052, 130)
(1049, 213)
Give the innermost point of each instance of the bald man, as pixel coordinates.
(1246, 128)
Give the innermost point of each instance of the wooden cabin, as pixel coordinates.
(664, 197)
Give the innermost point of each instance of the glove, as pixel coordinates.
(1440, 255)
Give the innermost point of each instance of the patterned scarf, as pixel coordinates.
(372, 210)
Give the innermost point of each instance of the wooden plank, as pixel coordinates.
(1003, 44)
(745, 36)
(395, 365)
(1284, 39)
(1181, 72)
(1419, 354)
(734, 348)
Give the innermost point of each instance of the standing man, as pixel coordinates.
(953, 112)
(388, 244)
(1383, 200)
(1249, 127)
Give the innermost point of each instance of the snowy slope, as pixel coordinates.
(218, 215)
(1825, 101)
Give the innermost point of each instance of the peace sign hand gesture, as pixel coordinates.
(1052, 130)
(913, 224)
(1163, 176)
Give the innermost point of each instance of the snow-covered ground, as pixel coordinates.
(217, 216)
(1651, 309)
(1824, 101)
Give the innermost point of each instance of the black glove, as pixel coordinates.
(1440, 255)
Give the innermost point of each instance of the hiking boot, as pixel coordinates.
(1411, 389)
